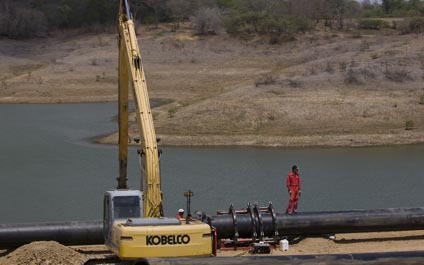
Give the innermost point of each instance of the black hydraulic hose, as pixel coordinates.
(67, 233)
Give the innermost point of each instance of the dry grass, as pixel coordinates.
(266, 79)
(398, 75)
(238, 91)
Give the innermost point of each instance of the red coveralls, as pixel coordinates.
(293, 185)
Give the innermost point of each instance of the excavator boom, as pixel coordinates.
(129, 233)
(131, 74)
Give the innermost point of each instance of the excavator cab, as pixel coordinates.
(120, 205)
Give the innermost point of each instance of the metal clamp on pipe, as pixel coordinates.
(260, 227)
(252, 221)
(233, 214)
(271, 210)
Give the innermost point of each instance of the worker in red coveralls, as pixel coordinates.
(293, 186)
(180, 214)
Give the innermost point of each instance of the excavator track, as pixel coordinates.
(103, 260)
(99, 257)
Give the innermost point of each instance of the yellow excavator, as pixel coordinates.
(133, 222)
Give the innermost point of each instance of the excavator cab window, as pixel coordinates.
(126, 207)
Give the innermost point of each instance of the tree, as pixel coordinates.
(155, 5)
(206, 21)
(353, 9)
(366, 4)
(179, 10)
(316, 9)
(386, 6)
(302, 8)
(229, 4)
(390, 5)
(321, 10)
(414, 4)
(337, 9)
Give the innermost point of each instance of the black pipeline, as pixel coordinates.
(66, 233)
(258, 223)
(253, 223)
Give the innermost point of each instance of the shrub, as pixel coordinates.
(294, 83)
(172, 111)
(237, 24)
(422, 100)
(266, 79)
(365, 46)
(264, 23)
(19, 23)
(409, 125)
(411, 25)
(368, 73)
(375, 55)
(397, 75)
(329, 68)
(227, 3)
(352, 78)
(416, 24)
(155, 115)
(312, 71)
(4, 83)
(206, 21)
(356, 34)
(402, 27)
(373, 24)
(274, 39)
(343, 66)
(298, 24)
(374, 12)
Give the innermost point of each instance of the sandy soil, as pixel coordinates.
(362, 243)
(54, 253)
(43, 253)
(352, 243)
(322, 89)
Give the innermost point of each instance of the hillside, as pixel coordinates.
(320, 89)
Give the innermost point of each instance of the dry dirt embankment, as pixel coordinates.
(322, 89)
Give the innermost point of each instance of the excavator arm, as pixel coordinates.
(131, 75)
(128, 233)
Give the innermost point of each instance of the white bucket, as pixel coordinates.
(284, 245)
